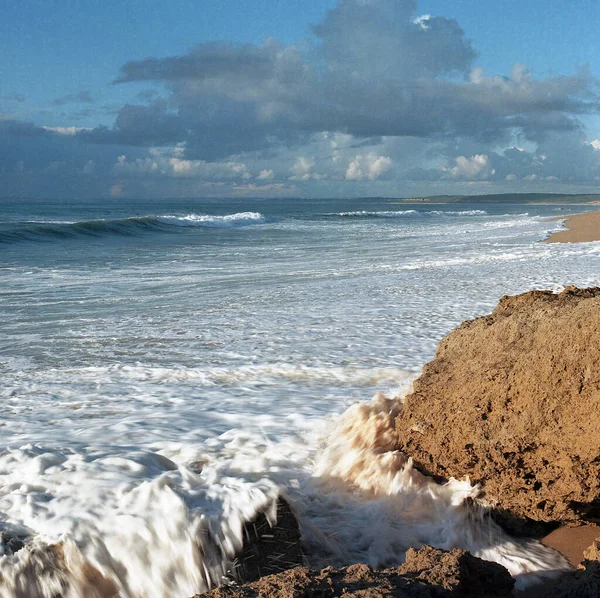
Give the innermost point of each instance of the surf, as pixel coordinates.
(132, 226)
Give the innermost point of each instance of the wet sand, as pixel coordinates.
(581, 228)
(571, 542)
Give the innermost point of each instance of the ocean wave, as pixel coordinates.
(274, 373)
(409, 213)
(60, 230)
(87, 515)
(229, 220)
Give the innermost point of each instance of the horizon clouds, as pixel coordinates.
(378, 100)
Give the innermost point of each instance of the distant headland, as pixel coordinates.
(530, 198)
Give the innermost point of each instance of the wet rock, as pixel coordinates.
(512, 400)
(583, 583)
(269, 548)
(427, 573)
(10, 543)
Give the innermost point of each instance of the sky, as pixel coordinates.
(298, 98)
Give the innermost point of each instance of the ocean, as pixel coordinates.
(168, 367)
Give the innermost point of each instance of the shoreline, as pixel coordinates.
(579, 228)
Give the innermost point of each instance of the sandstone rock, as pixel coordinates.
(513, 401)
(427, 573)
(593, 552)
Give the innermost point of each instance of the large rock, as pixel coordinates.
(512, 400)
(427, 573)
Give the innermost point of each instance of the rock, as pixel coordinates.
(427, 573)
(10, 543)
(583, 583)
(269, 549)
(593, 552)
(512, 400)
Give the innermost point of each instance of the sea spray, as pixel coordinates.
(134, 526)
(228, 350)
(149, 525)
(380, 505)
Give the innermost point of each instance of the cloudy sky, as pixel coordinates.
(303, 98)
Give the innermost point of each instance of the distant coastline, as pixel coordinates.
(520, 198)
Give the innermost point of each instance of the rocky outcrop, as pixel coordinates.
(512, 400)
(427, 573)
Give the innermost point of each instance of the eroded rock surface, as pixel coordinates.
(513, 401)
(593, 552)
(427, 573)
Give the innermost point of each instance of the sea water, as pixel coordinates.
(170, 367)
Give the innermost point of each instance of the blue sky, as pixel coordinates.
(303, 98)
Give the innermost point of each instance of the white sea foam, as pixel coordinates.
(131, 523)
(143, 523)
(345, 376)
(412, 213)
(154, 389)
(370, 490)
(228, 220)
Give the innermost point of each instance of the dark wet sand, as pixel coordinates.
(572, 541)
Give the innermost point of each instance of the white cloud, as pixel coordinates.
(70, 131)
(265, 175)
(116, 190)
(162, 164)
(302, 170)
(367, 167)
(422, 22)
(474, 168)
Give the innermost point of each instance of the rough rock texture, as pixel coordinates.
(583, 583)
(269, 549)
(513, 401)
(427, 573)
(593, 552)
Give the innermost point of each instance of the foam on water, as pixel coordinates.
(160, 389)
(229, 220)
(108, 521)
(133, 523)
(412, 213)
(393, 506)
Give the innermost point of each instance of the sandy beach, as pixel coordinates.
(580, 228)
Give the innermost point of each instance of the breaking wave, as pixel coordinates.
(54, 231)
(409, 214)
(72, 529)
